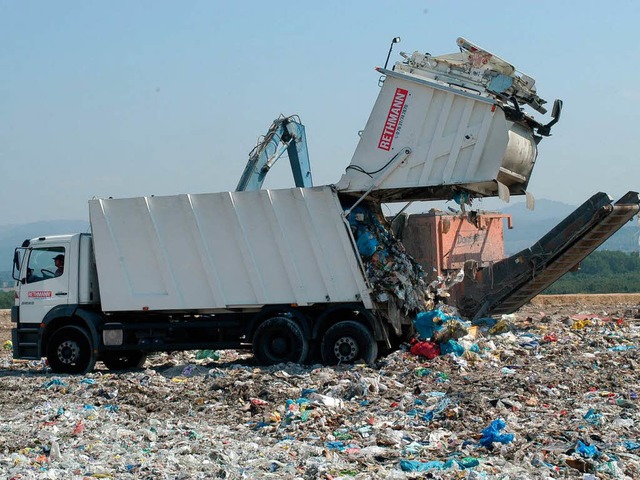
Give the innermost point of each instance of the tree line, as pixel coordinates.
(605, 271)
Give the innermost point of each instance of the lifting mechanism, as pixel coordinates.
(284, 134)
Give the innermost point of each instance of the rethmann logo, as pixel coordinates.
(393, 117)
(40, 294)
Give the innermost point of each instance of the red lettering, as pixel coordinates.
(391, 124)
(40, 294)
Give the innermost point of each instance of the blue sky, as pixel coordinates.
(126, 98)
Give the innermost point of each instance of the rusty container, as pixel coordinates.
(443, 242)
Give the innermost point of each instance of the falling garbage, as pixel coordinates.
(396, 278)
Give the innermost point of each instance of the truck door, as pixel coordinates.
(46, 283)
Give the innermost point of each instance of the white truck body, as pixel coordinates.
(220, 251)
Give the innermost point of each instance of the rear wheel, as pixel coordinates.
(278, 340)
(70, 350)
(123, 360)
(348, 342)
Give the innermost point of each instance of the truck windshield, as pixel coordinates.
(45, 263)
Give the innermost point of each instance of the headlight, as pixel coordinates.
(112, 337)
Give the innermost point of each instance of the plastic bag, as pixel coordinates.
(491, 434)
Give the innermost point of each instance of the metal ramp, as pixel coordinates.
(512, 282)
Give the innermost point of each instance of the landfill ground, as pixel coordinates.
(562, 374)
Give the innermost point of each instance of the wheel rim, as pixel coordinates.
(68, 352)
(279, 339)
(348, 341)
(346, 349)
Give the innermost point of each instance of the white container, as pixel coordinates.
(221, 251)
(425, 139)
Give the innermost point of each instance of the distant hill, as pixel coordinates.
(529, 226)
(12, 236)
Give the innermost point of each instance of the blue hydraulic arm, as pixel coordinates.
(285, 133)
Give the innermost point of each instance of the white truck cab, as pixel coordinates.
(56, 276)
(47, 282)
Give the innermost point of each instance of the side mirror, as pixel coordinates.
(16, 265)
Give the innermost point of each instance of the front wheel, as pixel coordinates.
(70, 350)
(348, 342)
(122, 360)
(278, 340)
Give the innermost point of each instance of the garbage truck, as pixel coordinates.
(294, 274)
(277, 270)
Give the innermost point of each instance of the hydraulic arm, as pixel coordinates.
(285, 134)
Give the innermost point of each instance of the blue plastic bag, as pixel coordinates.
(451, 346)
(415, 466)
(492, 434)
(587, 451)
(336, 446)
(367, 243)
(425, 325)
(593, 417)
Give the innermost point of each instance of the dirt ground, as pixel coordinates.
(573, 302)
(5, 326)
(561, 375)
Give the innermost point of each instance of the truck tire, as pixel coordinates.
(278, 340)
(123, 360)
(348, 342)
(70, 350)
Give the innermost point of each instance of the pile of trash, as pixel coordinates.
(398, 282)
(533, 395)
(395, 276)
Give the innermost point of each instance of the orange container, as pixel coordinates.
(443, 242)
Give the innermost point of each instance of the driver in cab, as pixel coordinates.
(59, 262)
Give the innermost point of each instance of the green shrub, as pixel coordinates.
(6, 299)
